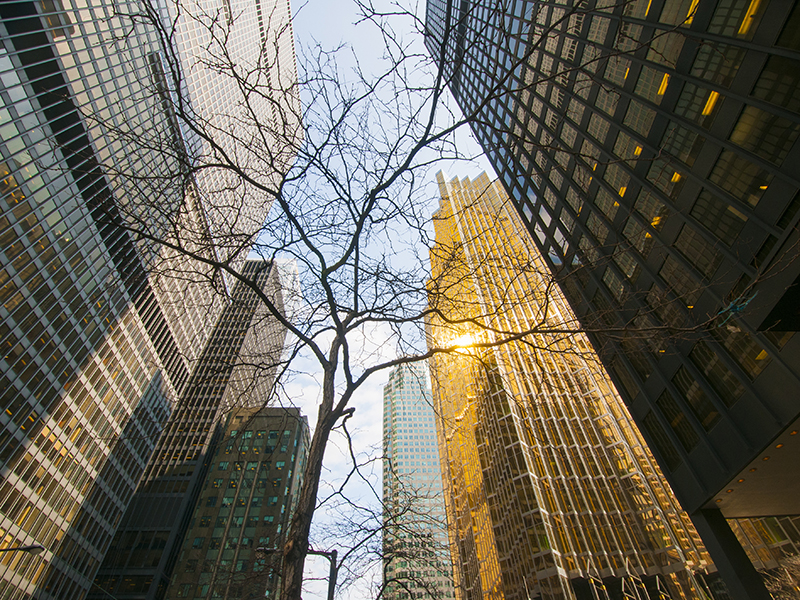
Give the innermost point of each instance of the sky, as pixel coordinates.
(331, 23)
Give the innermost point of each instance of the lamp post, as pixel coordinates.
(331, 556)
(33, 549)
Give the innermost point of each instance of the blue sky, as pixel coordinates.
(330, 23)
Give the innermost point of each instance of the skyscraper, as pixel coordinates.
(247, 500)
(650, 147)
(550, 488)
(98, 340)
(237, 369)
(416, 554)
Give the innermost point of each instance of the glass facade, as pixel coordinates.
(416, 552)
(100, 332)
(550, 488)
(650, 148)
(237, 368)
(246, 503)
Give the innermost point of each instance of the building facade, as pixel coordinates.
(237, 369)
(550, 488)
(416, 553)
(650, 148)
(246, 503)
(100, 331)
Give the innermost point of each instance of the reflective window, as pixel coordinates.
(765, 134)
(720, 218)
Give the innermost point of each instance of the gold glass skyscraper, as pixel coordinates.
(549, 487)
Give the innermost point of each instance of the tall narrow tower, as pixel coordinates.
(550, 488)
(416, 552)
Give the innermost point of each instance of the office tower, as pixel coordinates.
(238, 368)
(247, 500)
(416, 556)
(98, 340)
(550, 488)
(651, 149)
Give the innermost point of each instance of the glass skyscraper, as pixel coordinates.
(650, 148)
(247, 501)
(100, 333)
(550, 488)
(416, 552)
(237, 369)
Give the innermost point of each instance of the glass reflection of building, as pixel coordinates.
(651, 148)
(416, 556)
(550, 489)
(96, 347)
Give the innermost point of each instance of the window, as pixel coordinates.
(727, 386)
(720, 218)
(223, 466)
(606, 202)
(683, 144)
(662, 442)
(216, 483)
(678, 279)
(750, 356)
(677, 421)
(205, 521)
(598, 127)
(698, 104)
(779, 83)
(627, 149)
(665, 177)
(740, 177)
(639, 118)
(280, 464)
(198, 543)
(734, 18)
(666, 48)
(652, 85)
(696, 398)
(765, 134)
(618, 179)
(211, 501)
(607, 101)
(638, 237)
(272, 500)
(718, 63)
(617, 70)
(698, 251)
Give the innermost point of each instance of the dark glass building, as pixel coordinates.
(650, 146)
(246, 503)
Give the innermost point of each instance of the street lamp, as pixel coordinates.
(331, 556)
(33, 549)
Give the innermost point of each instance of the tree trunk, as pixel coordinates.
(296, 546)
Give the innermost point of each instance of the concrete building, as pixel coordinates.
(101, 331)
(551, 491)
(416, 551)
(650, 147)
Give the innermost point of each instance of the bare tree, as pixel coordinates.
(340, 156)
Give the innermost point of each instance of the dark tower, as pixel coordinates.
(650, 146)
